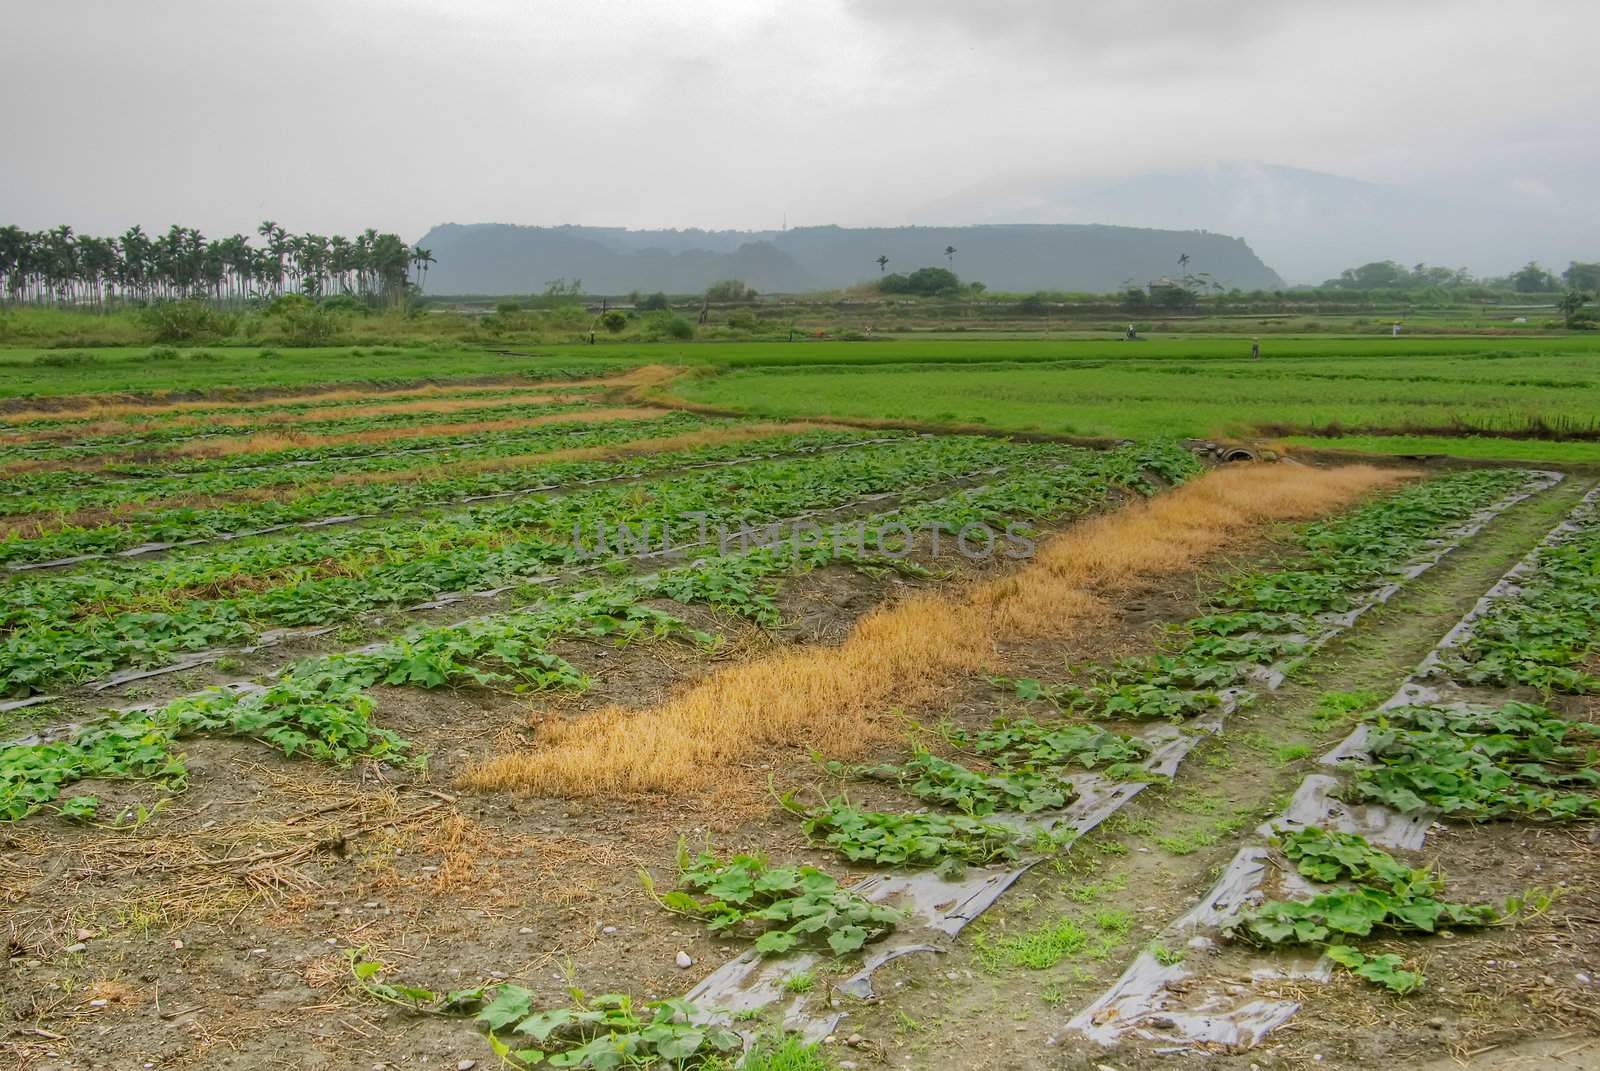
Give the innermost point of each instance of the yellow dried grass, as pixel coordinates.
(832, 698)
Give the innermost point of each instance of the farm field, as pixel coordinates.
(1472, 402)
(621, 706)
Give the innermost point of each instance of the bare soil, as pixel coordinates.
(217, 933)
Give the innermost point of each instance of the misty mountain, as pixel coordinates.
(496, 258)
(1307, 224)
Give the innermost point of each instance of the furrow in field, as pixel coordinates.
(1177, 1005)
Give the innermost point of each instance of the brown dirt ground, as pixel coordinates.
(215, 935)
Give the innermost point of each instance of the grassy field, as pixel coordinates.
(1475, 397)
(1412, 396)
(33, 372)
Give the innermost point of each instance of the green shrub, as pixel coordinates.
(66, 360)
(343, 303)
(187, 321)
(300, 322)
(660, 325)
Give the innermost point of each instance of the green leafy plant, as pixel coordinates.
(1516, 761)
(918, 839)
(600, 1033)
(603, 1033)
(1386, 897)
(1026, 742)
(781, 907)
(929, 777)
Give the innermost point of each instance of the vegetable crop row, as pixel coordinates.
(319, 706)
(63, 491)
(190, 525)
(155, 416)
(74, 629)
(1257, 620)
(156, 439)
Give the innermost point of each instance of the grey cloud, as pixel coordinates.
(334, 115)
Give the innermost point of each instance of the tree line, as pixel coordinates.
(62, 267)
(1529, 279)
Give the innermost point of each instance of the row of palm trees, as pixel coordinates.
(60, 267)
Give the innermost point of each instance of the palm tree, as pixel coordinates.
(1183, 261)
(883, 264)
(420, 259)
(950, 255)
(61, 266)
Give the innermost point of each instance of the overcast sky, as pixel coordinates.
(335, 115)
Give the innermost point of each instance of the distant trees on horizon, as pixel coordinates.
(1531, 278)
(59, 266)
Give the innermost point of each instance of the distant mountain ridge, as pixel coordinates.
(499, 258)
(1311, 225)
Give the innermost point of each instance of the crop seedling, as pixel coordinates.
(1516, 761)
(1385, 896)
(782, 907)
(1044, 744)
(599, 1033)
(937, 780)
(919, 839)
(1547, 633)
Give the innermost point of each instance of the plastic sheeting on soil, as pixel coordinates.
(1183, 1007)
(938, 908)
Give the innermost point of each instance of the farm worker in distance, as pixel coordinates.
(1396, 332)
(1131, 332)
(1255, 349)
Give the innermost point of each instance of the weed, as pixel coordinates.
(788, 1053)
(1049, 944)
(1334, 709)
(1167, 957)
(801, 982)
(1094, 891)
